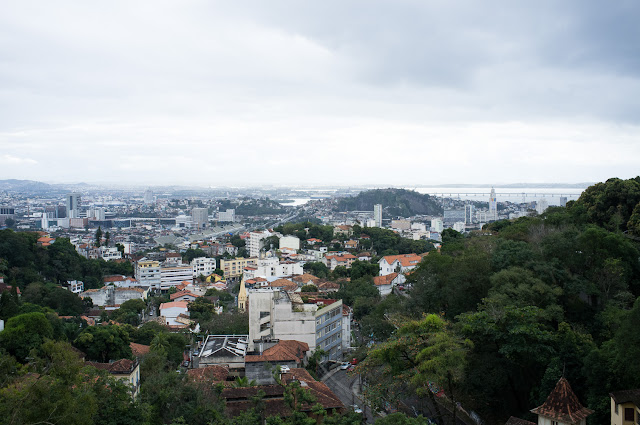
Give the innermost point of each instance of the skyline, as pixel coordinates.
(332, 94)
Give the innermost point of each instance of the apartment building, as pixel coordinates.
(203, 266)
(283, 315)
(235, 267)
(147, 273)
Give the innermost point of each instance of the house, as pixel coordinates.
(364, 256)
(120, 281)
(562, 407)
(306, 279)
(625, 407)
(125, 370)
(386, 283)
(351, 244)
(45, 241)
(345, 260)
(170, 312)
(184, 296)
(239, 400)
(399, 263)
(223, 350)
(260, 367)
(342, 229)
(75, 286)
(139, 350)
(209, 374)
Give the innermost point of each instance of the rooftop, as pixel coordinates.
(225, 345)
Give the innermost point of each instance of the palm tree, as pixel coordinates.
(160, 343)
(243, 381)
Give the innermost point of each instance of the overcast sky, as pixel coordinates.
(394, 92)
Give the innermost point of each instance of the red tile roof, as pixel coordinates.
(211, 373)
(384, 280)
(562, 405)
(139, 350)
(283, 351)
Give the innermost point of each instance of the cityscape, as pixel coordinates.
(329, 213)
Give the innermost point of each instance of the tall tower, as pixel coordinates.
(73, 205)
(242, 296)
(377, 214)
(493, 206)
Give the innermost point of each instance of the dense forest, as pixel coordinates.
(395, 203)
(497, 317)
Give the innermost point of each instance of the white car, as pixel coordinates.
(345, 365)
(356, 409)
(284, 369)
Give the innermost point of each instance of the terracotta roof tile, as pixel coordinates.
(562, 405)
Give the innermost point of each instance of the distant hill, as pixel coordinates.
(23, 185)
(395, 202)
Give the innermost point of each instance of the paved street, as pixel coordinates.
(345, 386)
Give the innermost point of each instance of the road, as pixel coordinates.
(346, 387)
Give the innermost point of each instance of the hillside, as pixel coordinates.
(395, 202)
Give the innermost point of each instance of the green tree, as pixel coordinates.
(309, 288)
(25, 332)
(98, 236)
(104, 343)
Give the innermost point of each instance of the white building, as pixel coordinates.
(459, 226)
(347, 317)
(273, 267)
(73, 205)
(377, 214)
(469, 212)
(174, 276)
(255, 242)
(437, 225)
(291, 242)
(228, 215)
(147, 273)
(110, 253)
(493, 206)
(282, 315)
(148, 196)
(541, 205)
(200, 217)
(171, 311)
(75, 286)
(398, 263)
(203, 266)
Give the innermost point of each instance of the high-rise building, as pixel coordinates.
(148, 196)
(377, 214)
(73, 205)
(200, 217)
(493, 206)
(563, 201)
(229, 215)
(541, 205)
(469, 211)
(437, 225)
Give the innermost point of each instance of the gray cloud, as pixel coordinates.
(279, 84)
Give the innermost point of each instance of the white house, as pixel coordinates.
(398, 263)
(171, 311)
(386, 283)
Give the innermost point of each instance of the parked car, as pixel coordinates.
(284, 369)
(356, 409)
(345, 365)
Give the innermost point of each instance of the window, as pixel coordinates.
(629, 414)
